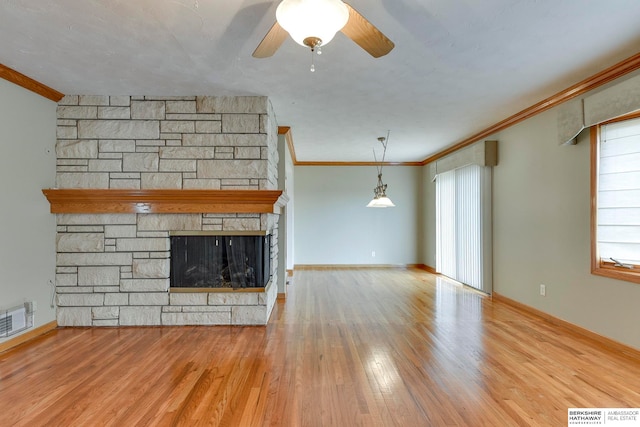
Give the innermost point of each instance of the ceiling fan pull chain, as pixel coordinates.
(313, 67)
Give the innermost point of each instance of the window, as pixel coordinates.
(615, 195)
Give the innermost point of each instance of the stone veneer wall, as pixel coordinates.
(113, 269)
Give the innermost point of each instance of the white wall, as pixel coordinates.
(541, 232)
(333, 226)
(285, 220)
(290, 209)
(27, 229)
(428, 219)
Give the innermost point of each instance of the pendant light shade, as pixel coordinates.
(381, 202)
(312, 23)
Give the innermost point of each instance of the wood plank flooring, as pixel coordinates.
(347, 348)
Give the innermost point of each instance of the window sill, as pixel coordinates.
(618, 273)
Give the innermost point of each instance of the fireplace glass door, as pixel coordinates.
(220, 261)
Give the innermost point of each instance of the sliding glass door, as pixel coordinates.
(463, 226)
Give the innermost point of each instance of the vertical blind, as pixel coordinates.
(461, 215)
(619, 192)
(446, 224)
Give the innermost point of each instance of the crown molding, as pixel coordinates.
(614, 72)
(28, 83)
(312, 163)
(286, 131)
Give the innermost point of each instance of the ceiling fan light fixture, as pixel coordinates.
(317, 20)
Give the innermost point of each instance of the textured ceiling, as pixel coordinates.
(458, 67)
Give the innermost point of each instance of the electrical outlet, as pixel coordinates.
(543, 290)
(373, 254)
(34, 305)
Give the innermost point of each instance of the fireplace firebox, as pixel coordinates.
(220, 261)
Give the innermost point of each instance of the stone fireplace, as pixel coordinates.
(133, 171)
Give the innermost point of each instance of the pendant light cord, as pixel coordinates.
(384, 142)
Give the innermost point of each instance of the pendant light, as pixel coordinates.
(380, 199)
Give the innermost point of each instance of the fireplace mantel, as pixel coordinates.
(87, 200)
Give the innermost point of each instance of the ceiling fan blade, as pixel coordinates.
(271, 42)
(366, 35)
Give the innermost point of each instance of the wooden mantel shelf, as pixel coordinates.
(164, 201)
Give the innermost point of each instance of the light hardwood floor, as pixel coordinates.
(346, 348)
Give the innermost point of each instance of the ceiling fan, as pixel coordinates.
(313, 23)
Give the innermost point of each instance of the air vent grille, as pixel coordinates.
(5, 324)
(16, 319)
